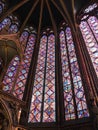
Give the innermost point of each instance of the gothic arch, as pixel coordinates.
(6, 114)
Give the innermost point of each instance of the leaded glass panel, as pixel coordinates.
(72, 83)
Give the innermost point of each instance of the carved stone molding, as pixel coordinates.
(13, 105)
(5, 120)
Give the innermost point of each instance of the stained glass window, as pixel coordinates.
(89, 31)
(74, 97)
(13, 28)
(5, 22)
(9, 25)
(49, 93)
(11, 74)
(36, 101)
(24, 38)
(93, 23)
(42, 107)
(90, 8)
(24, 67)
(17, 73)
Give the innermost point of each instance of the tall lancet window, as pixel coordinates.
(16, 76)
(42, 107)
(74, 97)
(25, 65)
(89, 29)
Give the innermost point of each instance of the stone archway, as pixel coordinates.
(5, 117)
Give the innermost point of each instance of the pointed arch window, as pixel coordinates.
(24, 67)
(10, 25)
(5, 22)
(74, 97)
(42, 108)
(89, 30)
(16, 77)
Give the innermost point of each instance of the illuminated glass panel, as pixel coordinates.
(13, 28)
(9, 25)
(90, 8)
(23, 39)
(93, 22)
(42, 107)
(80, 100)
(91, 43)
(49, 95)
(24, 68)
(68, 100)
(11, 75)
(36, 101)
(4, 23)
(72, 83)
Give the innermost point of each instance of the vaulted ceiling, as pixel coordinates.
(40, 14)
(43, 12)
